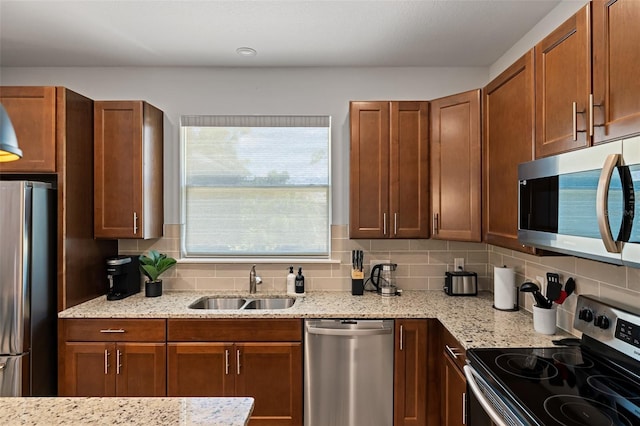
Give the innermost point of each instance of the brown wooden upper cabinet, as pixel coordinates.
(389, 169)
(508, 140)
(32, 111)
(616, 69)
(128, 138)
(576, 105)
(455, 167)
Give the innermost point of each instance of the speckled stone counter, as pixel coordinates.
(472, 320)
(126, 411)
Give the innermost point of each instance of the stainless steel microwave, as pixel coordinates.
(584, 203)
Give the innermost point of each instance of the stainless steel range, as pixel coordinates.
(595, 381)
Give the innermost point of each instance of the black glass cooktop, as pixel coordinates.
(561, 385)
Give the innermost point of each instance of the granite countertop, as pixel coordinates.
(471, 320)
(129, 411)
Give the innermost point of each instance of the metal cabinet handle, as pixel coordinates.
(602, 204)
(135, 223)
(384, 224)
(452, 351)
(395, 224)
(118, 359)
(574, 118)
(110, 330)
(401, 337)
(238, 361)
(464, 408)
(435, 223)
(226, 362)
(590, 114)
(574, 106)
(106, 361)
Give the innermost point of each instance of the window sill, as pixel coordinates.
(257, 260)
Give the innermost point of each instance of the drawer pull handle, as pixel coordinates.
(118, 361)
(452, 351)
(111, 330)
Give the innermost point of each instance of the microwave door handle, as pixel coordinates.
(470, 374)
(602, 204)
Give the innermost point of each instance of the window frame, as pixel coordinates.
(235, 258)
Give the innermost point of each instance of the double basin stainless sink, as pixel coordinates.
(235, 303)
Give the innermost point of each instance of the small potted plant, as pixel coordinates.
(152, 267)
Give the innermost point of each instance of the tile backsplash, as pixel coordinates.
(421, 266)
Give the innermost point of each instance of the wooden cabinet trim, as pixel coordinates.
(234, 330)
(109, 330)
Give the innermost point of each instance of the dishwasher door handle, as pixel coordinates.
(348, 332)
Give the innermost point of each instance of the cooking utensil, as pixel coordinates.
(533, 288)
(554, 287)
(563, 296)
(570, 286)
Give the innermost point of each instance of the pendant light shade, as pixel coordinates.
(9, 150)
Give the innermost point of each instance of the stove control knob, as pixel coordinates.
(585, 315)
(602, 322)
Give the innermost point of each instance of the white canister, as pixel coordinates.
(544, 320)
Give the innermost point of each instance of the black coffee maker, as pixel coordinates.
(124, 277)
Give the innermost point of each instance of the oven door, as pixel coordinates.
(485, 407)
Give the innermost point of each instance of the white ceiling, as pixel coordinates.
(286, 33)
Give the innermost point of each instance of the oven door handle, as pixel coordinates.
(470, 374)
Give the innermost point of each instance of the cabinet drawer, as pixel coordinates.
(453, 349)
(112, 330)
(234, 330)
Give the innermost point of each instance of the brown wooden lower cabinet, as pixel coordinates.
(112, 357)
(410, 372)
(114, 369)
(453, 385)
(268, 371)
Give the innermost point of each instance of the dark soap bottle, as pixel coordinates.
(300, 281)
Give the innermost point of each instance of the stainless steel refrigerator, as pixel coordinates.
(28, 355)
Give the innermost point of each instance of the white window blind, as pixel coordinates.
(256, 186)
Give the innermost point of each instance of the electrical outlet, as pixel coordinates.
(458, 264)
(376, 262)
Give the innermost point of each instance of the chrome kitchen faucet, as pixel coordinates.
(254, 280)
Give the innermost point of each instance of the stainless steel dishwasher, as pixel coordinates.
(348, 372)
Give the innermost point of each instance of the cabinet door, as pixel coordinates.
(369, 171)
(454, 393)
(118, 169)
(455, 167)
(200, 369)
(141, 369)
(272, 374)
(508, 140)
(409, 170)
(32, 111)
(89, 369)
(563, 85)
(616, 64)
(410, 372)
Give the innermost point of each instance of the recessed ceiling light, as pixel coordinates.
(246, 51)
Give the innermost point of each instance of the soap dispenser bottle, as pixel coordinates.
(299, 283)
(291, 281)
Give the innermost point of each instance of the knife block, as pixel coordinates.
(357, 287)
